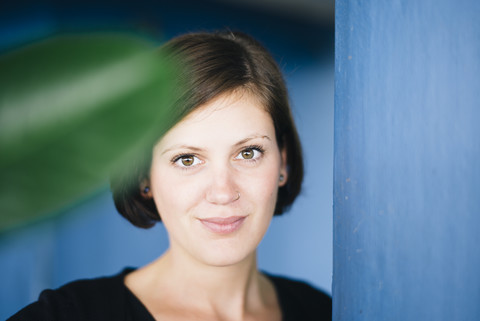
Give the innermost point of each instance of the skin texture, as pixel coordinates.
(214, 179)
(217, 134)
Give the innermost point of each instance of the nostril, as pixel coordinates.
(222, 197)
(221, 186)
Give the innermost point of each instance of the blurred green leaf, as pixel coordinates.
(72, 109)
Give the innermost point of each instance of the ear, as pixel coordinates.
(145, 189)
(283, 176)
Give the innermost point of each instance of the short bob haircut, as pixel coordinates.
(216, 64)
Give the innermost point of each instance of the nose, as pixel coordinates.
(222, 189)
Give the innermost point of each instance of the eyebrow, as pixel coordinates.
(197, 149)
(243, 141)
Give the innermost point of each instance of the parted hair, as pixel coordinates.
(213, 64)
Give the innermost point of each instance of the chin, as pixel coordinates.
(229, 257)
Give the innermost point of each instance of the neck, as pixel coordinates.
(212, 282)
(217, 291)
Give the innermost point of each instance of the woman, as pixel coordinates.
(215, 179)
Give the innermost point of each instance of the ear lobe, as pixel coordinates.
(145, 189)
(283, 178)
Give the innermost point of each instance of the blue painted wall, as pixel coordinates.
(91, 239)
(407, 160)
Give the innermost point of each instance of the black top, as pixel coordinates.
(109, 299)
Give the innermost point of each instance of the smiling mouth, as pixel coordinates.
(221, 225)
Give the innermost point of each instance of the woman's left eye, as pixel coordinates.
(249, 154)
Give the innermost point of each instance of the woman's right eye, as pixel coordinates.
(187, 161)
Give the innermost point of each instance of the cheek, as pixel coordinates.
(263, 186)
(172, 194)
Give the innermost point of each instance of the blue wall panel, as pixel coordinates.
(407, 160)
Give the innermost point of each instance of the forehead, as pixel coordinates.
(226, 119)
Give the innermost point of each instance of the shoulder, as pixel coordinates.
(301, 301)
(90, 299)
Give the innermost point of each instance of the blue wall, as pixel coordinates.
(407, 160)
(91, 239)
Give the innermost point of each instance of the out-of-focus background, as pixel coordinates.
(89, 238)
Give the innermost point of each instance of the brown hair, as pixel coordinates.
(213, 64)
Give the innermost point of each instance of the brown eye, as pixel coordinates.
(187, 160)
(248, 153)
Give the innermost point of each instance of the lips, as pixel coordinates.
(223, 225)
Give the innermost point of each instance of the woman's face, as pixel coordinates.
(215, 177)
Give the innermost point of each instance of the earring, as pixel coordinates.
(146, 190)
(281, 178)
